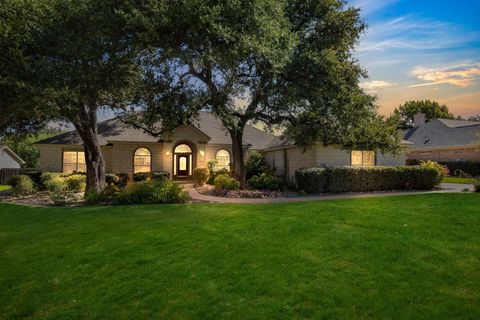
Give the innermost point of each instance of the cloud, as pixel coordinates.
(410, 33)
(376, 84)
(461, 76)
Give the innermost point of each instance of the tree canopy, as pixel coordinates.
(431, 109)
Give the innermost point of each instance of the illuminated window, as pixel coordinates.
(142, 160)
(74, 161)
(363, 158)
(182, 148)
(223, 159)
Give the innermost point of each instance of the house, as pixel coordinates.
(444, 140)
(129, 150)
(9, 159)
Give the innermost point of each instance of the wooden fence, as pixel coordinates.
(7, 174)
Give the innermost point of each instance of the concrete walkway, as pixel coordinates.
(444, 188)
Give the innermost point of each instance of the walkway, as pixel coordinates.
(445, 188)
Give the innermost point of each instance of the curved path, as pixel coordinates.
(444, 188)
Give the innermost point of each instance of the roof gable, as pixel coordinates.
(12, 154)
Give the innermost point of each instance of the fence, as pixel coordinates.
(7, 173)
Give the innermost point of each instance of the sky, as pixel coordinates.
(422, 49)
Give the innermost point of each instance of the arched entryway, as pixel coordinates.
(183, 160)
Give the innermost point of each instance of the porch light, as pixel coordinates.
(202, 153)
(167, 153)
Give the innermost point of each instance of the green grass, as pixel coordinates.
(409, 257)
(4, 187)
(458, 180)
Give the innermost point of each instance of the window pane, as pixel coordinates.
(182, 163)
(183, 148)
(142, 152)
(81, 157)
(368, 158)
(142, 169)
(142, 160)
(223, 159)
(69, 157)
(82, 167)
(356, 158)
(69, 167)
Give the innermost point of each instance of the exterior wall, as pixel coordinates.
(446, 154)
(296, 158)
(211, 151)
(7, 162)
(332, 156)
(51, 156)
(122, 156)
(276, 160)
(389, 159)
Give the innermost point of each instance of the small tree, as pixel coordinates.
(431, 109)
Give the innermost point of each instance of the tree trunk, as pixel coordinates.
(87, 129)
(237, 155)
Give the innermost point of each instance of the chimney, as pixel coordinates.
(418, 120)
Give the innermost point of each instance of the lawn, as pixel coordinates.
(4, 187)
(409, 257)
(458, 180)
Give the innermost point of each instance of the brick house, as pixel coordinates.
(444, 140)
(129, 150)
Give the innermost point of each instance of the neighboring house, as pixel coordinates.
(444, 140)
(9, 159)
(129, 150)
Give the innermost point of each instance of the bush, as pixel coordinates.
(160, 175)
(47, 176)
(347, 179)
(122, 180)
(470, 167)
(265, 181)
(35, 175)
(148, 192)
(443, 171)
(22, 185)
(111, 179)
(312, 180)
(201, 175)
(214, 172)
(255, 165)
(55, 183)
(142, 176)
(75, 182)
(225, 182)
(476, 186)
(105, 196)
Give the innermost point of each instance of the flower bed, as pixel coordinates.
(209, 190)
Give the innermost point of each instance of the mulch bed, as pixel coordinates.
(209, 190)
(40, 199)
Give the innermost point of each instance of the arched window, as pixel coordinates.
(223, 159)
(142, 160)
(182, 148)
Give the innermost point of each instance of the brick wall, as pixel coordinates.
(446, 154)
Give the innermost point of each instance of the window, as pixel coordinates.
(74, 161)
(363, 158)
(223, 159)
(142, 160)
(182, 148)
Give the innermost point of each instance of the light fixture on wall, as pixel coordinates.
(167, 153)
(202, 153)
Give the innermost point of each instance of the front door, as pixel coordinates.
(183, 165)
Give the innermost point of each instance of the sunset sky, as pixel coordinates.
(422, 49)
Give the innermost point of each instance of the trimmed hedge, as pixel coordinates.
(470, 167)
(265, 181)
(201, 175)
(22, 185)
(347, 179)
(225, 182)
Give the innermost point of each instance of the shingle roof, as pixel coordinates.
(444, 133)
(114, 130)
(12, 153)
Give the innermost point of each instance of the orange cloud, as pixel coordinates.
(461, 77)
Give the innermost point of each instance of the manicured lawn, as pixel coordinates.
(4, 187)
(414, 257)
(458, 180)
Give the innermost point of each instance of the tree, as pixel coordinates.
(431, 109)
(70, 59)
(474, 118)
(289, 62)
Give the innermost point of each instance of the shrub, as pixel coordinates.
(160, 175)
(476, 186)
(111, 179)
(443, 171)
(201, 175)
(147, 192)
(348, 179)
(255, 165)
(265, 181)
(470, 167)
(225, 182)
(55, 183)
(312, 180)
(122, 179)
(214, 172)
(22, 185)
(105, 196)
(35, 175)
(47, 176)
(142, 176)
(75, 182)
